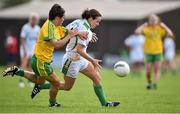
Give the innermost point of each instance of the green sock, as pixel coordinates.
(45, 86)
(100, 94)
(20, 72)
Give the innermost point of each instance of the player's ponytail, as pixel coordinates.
(90, 13)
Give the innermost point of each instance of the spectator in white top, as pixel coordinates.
(29, 34)
(135, 44)
(169, 53)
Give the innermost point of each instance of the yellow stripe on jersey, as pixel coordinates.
(43, 48)
(153, 39)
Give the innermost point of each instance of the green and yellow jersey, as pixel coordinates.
(43, 48)
(153, 39)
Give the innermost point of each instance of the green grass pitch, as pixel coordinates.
(130, 91)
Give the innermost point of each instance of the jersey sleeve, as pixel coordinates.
(23, 32)
(75, 25)
(65, 32)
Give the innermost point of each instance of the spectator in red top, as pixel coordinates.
(11, 49)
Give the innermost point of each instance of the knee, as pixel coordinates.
(40, 82)
(56, 85)
(67, 88)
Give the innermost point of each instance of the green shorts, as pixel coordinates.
(153, 57)
(41, 68)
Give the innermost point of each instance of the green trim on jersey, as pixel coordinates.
(86, 25)
(41, 68)
(50, 31)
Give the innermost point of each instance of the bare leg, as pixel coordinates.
(91, 73)
(55, 83)
(148, 72)
(157, 70)
(68, 83)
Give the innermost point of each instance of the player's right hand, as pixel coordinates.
(72, 33)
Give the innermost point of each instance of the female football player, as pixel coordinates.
(154, 31)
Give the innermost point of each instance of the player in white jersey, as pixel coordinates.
(29, 35)
(135, 44)
(76, 59)
(169, 53)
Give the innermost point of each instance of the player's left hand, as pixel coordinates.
(94, 38)
(96, 64)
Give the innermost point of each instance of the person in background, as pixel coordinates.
(169, 54)
(28, 35)
(154, 31)
(11, 49)
(135, 44)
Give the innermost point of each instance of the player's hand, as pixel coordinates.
(94, 38)
(72, 33)
(96, 64)
(83, 35)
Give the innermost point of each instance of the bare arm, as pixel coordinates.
(168, 30)
(95, 62)
(139, 30)
(60, 43)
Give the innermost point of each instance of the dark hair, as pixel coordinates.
(90, 13)
(56, 10)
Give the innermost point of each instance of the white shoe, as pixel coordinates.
(21, 84)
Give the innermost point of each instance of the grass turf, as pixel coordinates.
(130, 91)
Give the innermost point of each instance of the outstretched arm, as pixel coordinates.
(95, 62)
(60, 43)
(139, 30)
(168, 30)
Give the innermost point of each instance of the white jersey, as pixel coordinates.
(169, 47)
(82, 26)
(72, 66)
(136, 43)
(30, 34)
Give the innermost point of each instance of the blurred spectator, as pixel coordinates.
(169, 53)
(154, 31)
(11, 49)
(135, 44)
(29, 34)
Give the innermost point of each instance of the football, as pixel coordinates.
(121, 69)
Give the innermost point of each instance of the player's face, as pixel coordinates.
(95, 22)
(153, 20)
(59, 20)
(34, 21)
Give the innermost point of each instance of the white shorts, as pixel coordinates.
(169, 56)
(71, 68)
(30, 52)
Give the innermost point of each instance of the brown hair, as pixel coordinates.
(90, 13)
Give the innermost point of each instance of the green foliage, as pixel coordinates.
(130, 91)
